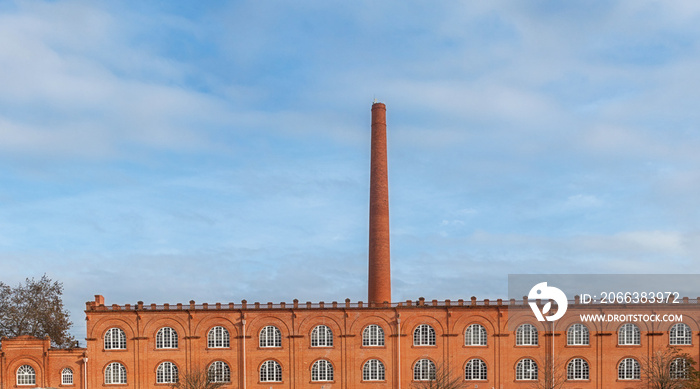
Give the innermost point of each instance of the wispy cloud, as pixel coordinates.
(233, 138)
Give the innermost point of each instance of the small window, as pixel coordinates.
(424, 335)
(373, 370)
(526, 335)
(679, 369)
(166, 373)
(322, 371)
(166, 338)
(321, 336)
(270, 371)
(628, 369)
(373, 335)
(270, 336)
(628, 335)
(475, 335)
(475, 370)
(67, 376)
(26, 375)
(219, 372)
(680, 334)
(115, 339)
(424, 370)
(218, 338)
(526, 370)
(577, 335)
(115, 373)
(577, 369)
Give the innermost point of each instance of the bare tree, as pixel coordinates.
(35, 308)
(551, 374)
(445, 378)
(196, 379)
(669, 369)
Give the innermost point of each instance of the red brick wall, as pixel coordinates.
(347, 355)
(48, 363)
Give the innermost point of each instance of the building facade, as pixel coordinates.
(488, 344)
(26, 361)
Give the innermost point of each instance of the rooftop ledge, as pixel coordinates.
(98, 304)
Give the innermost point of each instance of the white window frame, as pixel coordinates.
(578, 335)
(373, 336)
(680, 335)
(67, 376)
(321, 336)
(678, 369)
(424, 370)
(26, 375)
(115, 374)
(526, 335)
(270, 371)
(373, 370)
(475, 370)
(577, 369)
(526, 370)
(167, 373)
(166, 338)
(629, 335)
(270, 336)
(218, 337)
(322, 371)
(424, 335)
(628, 369)
(219, 372)
(115, 339)
(475, 335)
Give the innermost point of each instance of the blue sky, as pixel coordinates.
(219, 151)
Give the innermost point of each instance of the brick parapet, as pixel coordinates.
(257, 306)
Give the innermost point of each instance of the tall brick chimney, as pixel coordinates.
(379, 285)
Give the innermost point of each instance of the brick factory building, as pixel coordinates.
(373, 344)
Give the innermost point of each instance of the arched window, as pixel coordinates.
(115, 339)
(526, 369)
(115, 373)
(475, 335)
(628, 335)
(321, 336)
(424, 335)
(424, 370)
(373, 335)
(166, 373)
(166, 338)
(26, 375)
(219, 372)
(270, 336)
(373, 370)
(680, 334)
(628, 369)
(218, 337)
(322, 371)
(577, 369)
(577, 335)
(679, 369)
(67, 376)
(270, 371)
(526, 335)
(475, 370)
